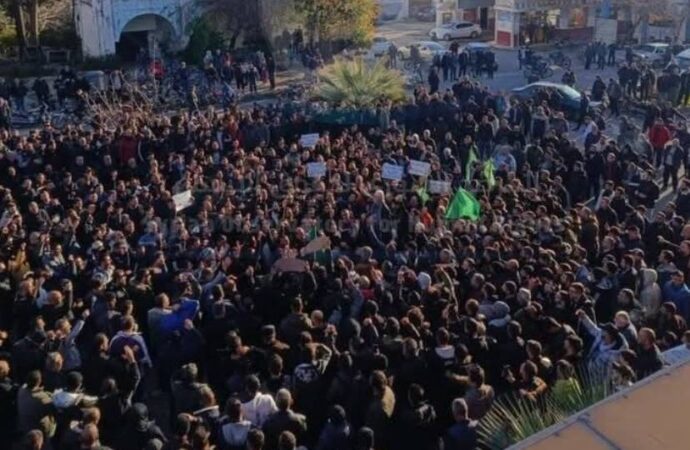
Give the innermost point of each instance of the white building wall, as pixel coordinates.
(100, 22)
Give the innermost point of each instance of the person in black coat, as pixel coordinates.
(8, 401)
(649, 359)
(138, 429)
(433, 80)
(417, 422)
(285, 419)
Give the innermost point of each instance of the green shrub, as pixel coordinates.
(203, 37)
(63, 37)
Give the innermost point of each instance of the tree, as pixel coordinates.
(338, 19)
(203, 37)
(356, 84)
(32, 17)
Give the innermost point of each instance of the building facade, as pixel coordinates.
(476, 11)
(109, 26)
(394, 9)
(520, 22)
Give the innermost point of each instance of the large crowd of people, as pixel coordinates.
(275, 308)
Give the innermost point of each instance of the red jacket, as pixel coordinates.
(127, 149)
(659, 135)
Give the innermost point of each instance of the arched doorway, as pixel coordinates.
(148, 34)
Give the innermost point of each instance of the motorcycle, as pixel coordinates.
(560, 59)
(538, 69)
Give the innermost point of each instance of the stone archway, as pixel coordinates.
(148, 32)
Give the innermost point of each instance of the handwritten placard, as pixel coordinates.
(309, 140)
(419, 168)
(316, 169)
(392, 172)
(183, 200)
(439, 187)
(291, 265)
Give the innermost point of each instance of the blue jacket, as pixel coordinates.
(461, 436)
(171, 323)
(680, 296)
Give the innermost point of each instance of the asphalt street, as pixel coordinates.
(509, 75)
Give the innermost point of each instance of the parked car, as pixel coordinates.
(683, 59)
(380, 46)
(478, 47)
(425, 14)
(455, 30)
(652, 53)
(568, 99)
(427, 50)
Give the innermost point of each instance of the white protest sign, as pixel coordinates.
(317, 244)
(392, 172)
(183, 200)
(290, 265)
(439, 187)
(309, 140)
(419, 168)
(316, 169)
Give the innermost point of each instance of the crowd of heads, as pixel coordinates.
(274, 309)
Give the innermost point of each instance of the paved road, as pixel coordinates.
(509, 75)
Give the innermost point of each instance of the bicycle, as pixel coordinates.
(414, 74)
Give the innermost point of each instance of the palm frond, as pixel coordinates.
(355, 84)
(513, 419)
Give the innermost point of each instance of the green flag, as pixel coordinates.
(463, 205)
(320, 256)
(470, 161)
(489, 173)
(422, 194)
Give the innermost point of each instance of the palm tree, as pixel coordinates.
(513, 419)
(355, 84)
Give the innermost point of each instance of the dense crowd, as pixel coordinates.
(224, 320)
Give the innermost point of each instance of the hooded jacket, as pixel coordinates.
(650, 292)
(418, 428)
(680, 296)
(602, 354)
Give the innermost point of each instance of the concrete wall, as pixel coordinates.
(101, 22)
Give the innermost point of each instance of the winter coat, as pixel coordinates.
(602, 354)
(417, 428)
(650, 292)
(659, 135)
(680, 296)
(334, 437)
(233, 435)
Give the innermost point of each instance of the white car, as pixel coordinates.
(455, 30)
(427, 50)
(380, 46)
(653, 53)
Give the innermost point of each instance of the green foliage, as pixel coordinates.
(513, 419)
(202, 37)
(354, 84)
(351, 20)
(63, 37)
(8, 34)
